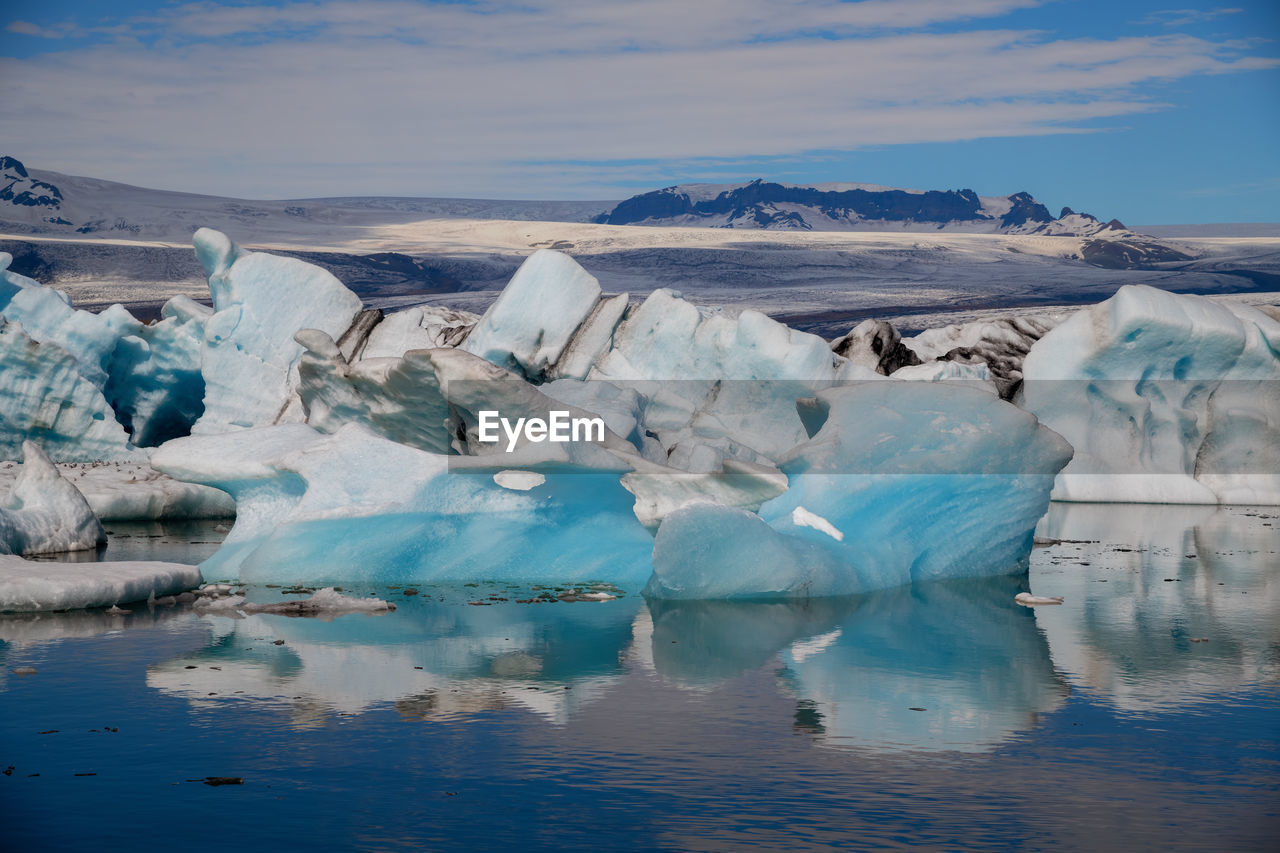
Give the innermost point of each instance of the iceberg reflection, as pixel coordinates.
(430, 659)
(960, 651)
(1165, 605)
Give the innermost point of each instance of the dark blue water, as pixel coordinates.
(1144, 713)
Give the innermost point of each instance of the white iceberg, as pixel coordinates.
(531, 324)
(249, 357)
(27, 586)
(77, 380)
(1166, 399)
(45, 398)
(44, 513)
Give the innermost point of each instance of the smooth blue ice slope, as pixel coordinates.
(905, 481)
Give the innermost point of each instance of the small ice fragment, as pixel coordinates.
(804, 518)
(519, 481)
(1026, 599)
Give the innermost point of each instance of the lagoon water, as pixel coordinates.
(1144, 712)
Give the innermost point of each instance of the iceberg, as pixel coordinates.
(903, 482)
(1166, 398)
(717, 386)
(531, 324)
(877, 345)
(58, 362)
(420, 327)
(999, 345)
(249, 358)
(356, 506)
(397, 397)
(44, 513)
(46, 316)
(155, 385)
(48, 401)
(32, 586)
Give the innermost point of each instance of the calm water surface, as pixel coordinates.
(1144, 713)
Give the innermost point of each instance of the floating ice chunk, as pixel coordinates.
(1001, 345)
(47, 317)
(45, 514)
(688, 364)
(326, 600)
(666, 337)
(978, 375)
(150, 375)
(1026, 599)
(592, 339)
(704, 550)
(803, 518)
(249, 355)
(519, 481)
(529, 326)
(1166, 398)
(473, 385)
(26, 585)
(661, 491)
(356, 506)
(924, 480)
(133, 491)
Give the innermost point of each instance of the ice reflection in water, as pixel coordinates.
(1141, 583)
(1145, 584)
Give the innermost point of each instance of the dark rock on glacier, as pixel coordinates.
(875, 344)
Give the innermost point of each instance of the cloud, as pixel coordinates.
(500, 99)
(1187, 17)
(26, 28)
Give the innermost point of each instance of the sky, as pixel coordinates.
(1151, 111)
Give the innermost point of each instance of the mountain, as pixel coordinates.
(851, 207)
(51, 204)
(21, 190)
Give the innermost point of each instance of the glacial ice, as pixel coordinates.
(741, 458)
(354, 505)
(155, 385)
(922, 481)
(420, 327)
(94, 386)
(46, 316)
(998, 345)
(44, 513)
(47, 400)
(529, 326)
(717, 385)
(249, 358)
(1166, 398)
(26, 585)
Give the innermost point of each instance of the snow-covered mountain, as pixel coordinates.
(51, 204)
(851, 207)
(21, 190)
